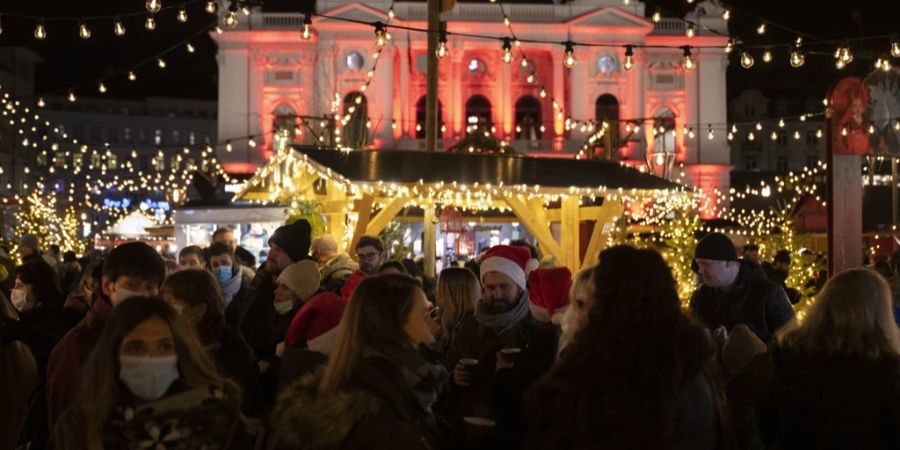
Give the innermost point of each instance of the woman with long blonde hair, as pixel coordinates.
(836, 374)
(377, 391)
(149, 372)
(580, 302)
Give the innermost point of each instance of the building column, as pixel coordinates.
(456, 107)
(234, 93)
(402, 116)
(578, 101)
(504, 107)
(559, 94)
(383, 97)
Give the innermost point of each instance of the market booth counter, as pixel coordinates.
(360, 192)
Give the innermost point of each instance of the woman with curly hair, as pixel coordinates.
(634, 376)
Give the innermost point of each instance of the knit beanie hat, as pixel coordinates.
(548, 294)
(301, 278)
(30, 241)
(742, 345)
(508, 260)
(717, 247)
(317, 322)
(294, 239)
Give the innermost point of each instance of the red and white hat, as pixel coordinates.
(317, 322)
(508, 260)
(548, 295)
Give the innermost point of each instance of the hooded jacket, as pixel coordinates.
(836, 402)
(376, 413)
(336, 272)
(755, 301)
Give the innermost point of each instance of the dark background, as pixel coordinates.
(72, 61)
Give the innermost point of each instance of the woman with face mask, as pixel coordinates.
(37, 298)
(150, 383)
(197, 297)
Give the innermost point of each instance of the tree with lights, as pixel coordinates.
(38, 216)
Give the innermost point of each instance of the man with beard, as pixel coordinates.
(370, 254)
(502, 335)
(289, 244)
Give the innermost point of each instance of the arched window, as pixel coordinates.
(421, 112)
(284, 126)
(479, 107)
(528, 118)
(355, 133)
(606, 109)
(664, 130)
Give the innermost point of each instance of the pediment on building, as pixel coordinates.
(355, 11)
(611, 17)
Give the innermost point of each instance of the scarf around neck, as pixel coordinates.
(231, 287)
(423, 378)
(503, 322)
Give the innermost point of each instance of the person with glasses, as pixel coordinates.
(370, 254)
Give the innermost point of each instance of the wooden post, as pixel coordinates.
(534, 218)
(844, 184)
(571, 223)
(609, 212)
(364, 210)
(431, 92)
(429, 244)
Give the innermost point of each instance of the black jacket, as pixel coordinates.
(237, 309)
(836, 402)
(755, 301)
(752, 406)
(376, 413)
(40, 329)
(235, 360)
(259, 318)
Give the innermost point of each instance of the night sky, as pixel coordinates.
(71, 60)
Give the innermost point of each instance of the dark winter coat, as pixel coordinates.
(376, 413)
(269, 378)
(235, 360)
(259, 318)
(696, 425)
(836, 402)
(237, 309)
(40, 329)
(752, 406)
(69, 355)
(336, 272)
(755, 301)
(297, 363)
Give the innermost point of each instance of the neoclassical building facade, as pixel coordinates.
(271, 79)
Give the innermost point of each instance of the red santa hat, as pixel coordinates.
(508, 260)
(317, 322)
(350, 285)
(548, 295)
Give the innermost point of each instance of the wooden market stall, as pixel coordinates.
(362, 191)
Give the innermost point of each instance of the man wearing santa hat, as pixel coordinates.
(502, 322)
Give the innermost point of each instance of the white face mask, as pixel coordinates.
(121, 294)
(148, 377)
(282, 308)
(19, 299)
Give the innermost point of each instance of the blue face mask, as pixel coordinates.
(223, 274)
(148, 377)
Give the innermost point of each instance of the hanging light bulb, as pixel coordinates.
(780, 123)
(131, 75)
(306, 30)
(709, 133)
(530, 78)
(391, 12)
(759, 126)
(897, 125)
(798, 59)
(230, 19)
(895, 47)
(629, 58)
(41, 102)
(442, 51)
(657, 16)
(767, 56)
(819, 133)
(726, 14)
(746, 59)
(730, 136)
(251, 142)
(507, 56)
(40, 33)
(686, 61)
(71, 96)
(543, 93)
(119, 28)
(83, 31)
(797, 135)
(182, 15)
(751, 136)
(161, 63)
(506, 20)
(569, 57)
(190, 48)
(381, 36)
(153, 6)
(101, 88)
(150, 23)
(774, 136)
(761, 29)
(689, 31)
(733, 128)
(211, 7)
(228, 146)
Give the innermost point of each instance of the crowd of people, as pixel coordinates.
(318, 349)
